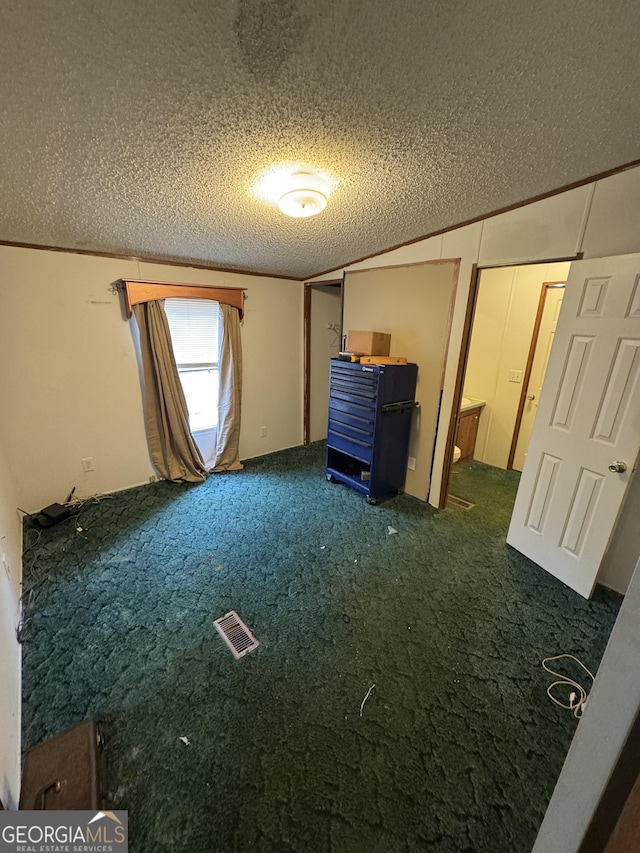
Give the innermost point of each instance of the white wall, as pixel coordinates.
(10, 656)
(73, 387)
(612, 227)
(505, 314)
(325, 345)
(377, 300)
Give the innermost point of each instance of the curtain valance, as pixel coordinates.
(136, 291)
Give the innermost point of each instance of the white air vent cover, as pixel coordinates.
(453, 501)
(236, 634)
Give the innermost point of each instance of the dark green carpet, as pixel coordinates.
(458, 747)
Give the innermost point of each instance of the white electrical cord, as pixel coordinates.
(578, 696)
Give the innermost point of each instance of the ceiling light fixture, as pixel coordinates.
(306, 195)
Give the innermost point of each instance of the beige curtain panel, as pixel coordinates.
(227, 456)
(173, 450)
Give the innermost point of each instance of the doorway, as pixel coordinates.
(322, 336)
(515, 313)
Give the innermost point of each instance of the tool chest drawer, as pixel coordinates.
(355, 447)
(369, 423)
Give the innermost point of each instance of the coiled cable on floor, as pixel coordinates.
(578, 695)
(33, 575)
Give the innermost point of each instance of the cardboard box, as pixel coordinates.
(383, 359)
(369, 343)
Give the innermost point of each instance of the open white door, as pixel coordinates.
(587, 427)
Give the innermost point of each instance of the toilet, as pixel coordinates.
(457, 453)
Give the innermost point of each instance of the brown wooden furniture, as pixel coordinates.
(467, 432)
(66, 771)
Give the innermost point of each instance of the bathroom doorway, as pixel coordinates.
(514, 320)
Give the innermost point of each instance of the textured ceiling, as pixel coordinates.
(140, 128)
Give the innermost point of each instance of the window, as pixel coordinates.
(195, 326)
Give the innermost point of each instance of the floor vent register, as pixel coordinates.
(459, 502)
(236, 634)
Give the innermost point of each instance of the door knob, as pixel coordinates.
(531, 396)
(618, 467)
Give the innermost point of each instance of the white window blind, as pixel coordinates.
(195, 326)
(194, 330)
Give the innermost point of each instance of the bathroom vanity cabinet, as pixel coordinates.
(468, 432)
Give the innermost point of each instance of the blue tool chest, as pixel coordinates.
(370, 408)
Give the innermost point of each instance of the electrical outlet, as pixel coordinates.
(515, 376)
(411, 463)
(88, 464)
(263, 432)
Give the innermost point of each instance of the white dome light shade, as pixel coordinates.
(306, 195)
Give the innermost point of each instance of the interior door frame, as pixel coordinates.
(306, 324)
(457, 393)
(544, 291)
(465, 344)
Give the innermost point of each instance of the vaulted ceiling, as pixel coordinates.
(141, 128)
